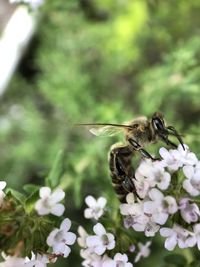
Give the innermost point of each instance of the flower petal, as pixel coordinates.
(66, 224)
(58, 209)
(90, 201)
(57, 195)
(45, 192)
(99, 229)
(70, 238)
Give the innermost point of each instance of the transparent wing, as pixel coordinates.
(106, 130)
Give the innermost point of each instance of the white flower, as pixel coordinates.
(189, 212)
(177, 235)
(59, 239)
(170, 159)
(176, 158)
(152, 174)
(122, 260)
(82, 237)
(13, 261)
(101, 241)
(159, 207)
(89, 257)
(196, 229)
(49, 202)
(185, 156)
(96, 207)
(192, 184)
(135, 217)
(39, 260)
(144, 250)
(105, 261)
(33, 3)
(2, 194)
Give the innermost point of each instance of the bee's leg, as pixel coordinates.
(137, 147)
(168, 142)
(121, 171)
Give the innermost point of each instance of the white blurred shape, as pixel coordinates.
(13, 42)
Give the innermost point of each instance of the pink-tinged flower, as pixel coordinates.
(136, 218)
(2, 194)
(159, 207)
(189, 211)
(48, 202)
(59, 239)
(144, 251)
(122, 260)
(96, 207)
(101, 241)
(177, 236)
(192, 184)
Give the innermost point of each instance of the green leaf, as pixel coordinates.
(15, 194)
(30, 188)
(54, 177)
(176, 259)
(30, 201)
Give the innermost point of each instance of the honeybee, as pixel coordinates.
(138, 134)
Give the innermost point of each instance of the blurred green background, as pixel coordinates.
(98, 61)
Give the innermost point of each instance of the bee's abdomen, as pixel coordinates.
(120, 170)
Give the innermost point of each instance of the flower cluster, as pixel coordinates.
(94, 248)
(164, 188)
(58, 239)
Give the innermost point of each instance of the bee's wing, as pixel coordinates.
(105, 130)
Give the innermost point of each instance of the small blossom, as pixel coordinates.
(159, 207)
(89, 257)
(152, 174)
(185, 156)
(101, 241)
(170, 159)
(82, 237)
(2, 194)
(59, 239)
(192, 184)
(122, 260)
(177, 235)
(96, 207)
(13, 261)
(189, 212)
(49, 202)
(144, 250)
(196, 229)
(39, 260)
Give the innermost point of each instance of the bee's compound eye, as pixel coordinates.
(158, 124)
